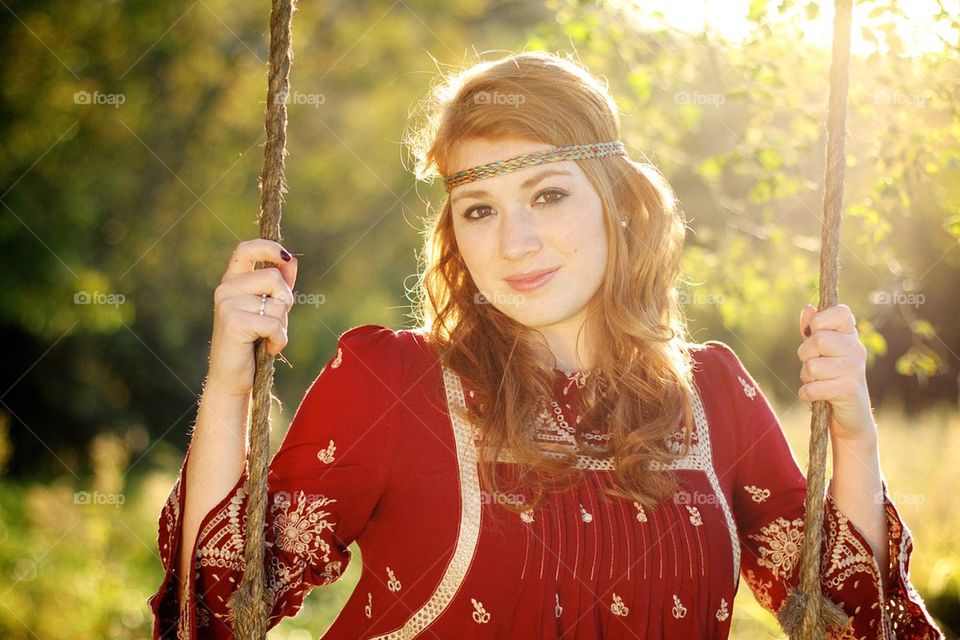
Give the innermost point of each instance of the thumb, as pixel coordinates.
(806, 315)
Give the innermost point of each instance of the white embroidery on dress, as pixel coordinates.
(368, 610)
(679, 610)
(527, 516)
(326, 455)
(695, 519)
(393, 584)
(203, 616)
(585, 515)
(578, 378)
(557, 610)
(848, 556)
(760, 589)
(298, 523)
(480, 615)
(641, 513)
(172, 513)
(780, 546)
(336, 361)
(298, 530)
(550, 425)
(723, 613)
(748, 389)
(618, 608)
(758, 494)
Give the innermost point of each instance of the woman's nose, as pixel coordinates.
(519, 234)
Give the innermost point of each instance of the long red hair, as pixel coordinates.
(643, 369)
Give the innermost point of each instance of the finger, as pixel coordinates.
(829, 390)
(249, 252)
(827, 343)
(273, 307)
(289, 271)
(270, 328)
(828, 368)
(256, 283)
(835, 318)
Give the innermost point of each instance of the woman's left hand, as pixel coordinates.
(834, 369)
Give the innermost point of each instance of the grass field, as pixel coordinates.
(84, 571)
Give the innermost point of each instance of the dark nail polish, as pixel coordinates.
(285, 255)
(806, 331)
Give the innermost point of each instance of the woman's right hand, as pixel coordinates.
(237, 322)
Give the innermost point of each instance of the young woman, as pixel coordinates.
(547, 455)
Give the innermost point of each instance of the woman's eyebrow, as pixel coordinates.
(529, 182)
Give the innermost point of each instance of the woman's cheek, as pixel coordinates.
(477, 254)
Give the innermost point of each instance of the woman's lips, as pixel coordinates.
(529, 284)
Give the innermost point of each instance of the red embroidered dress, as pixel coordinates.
(373, 455)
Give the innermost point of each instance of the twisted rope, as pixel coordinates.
(251, 602)
(808, 613)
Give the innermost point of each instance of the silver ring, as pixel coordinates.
(263, 303)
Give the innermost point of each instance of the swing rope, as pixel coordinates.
(251, 602)
(807, 613)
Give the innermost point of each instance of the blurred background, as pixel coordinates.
(132, 140)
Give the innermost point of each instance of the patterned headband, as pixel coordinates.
(499, 167)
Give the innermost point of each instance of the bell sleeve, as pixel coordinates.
(768, 503)
(324, 485)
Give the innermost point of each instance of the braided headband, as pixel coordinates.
(499, 167)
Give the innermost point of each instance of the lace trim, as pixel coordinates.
(469, 529)
(171, 521)
(583, 461)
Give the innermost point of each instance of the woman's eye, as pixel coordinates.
(468, 212)
(556, 194)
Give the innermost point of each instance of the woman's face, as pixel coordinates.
(542, 217)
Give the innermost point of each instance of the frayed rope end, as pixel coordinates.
(791, 614)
